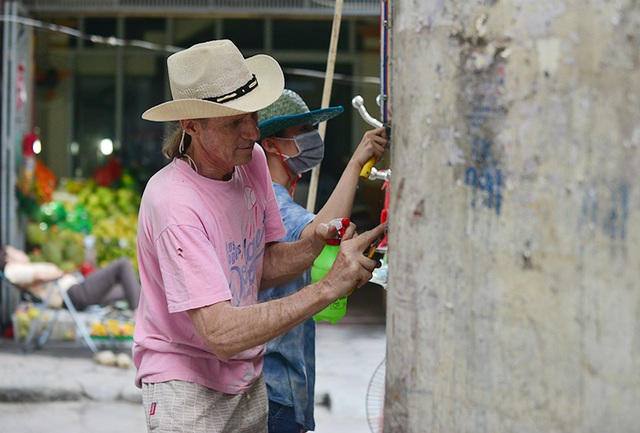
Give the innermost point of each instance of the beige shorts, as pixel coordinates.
(176, 407)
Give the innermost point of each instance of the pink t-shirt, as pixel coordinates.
(200, 241)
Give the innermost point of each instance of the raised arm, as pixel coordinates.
(340, 202)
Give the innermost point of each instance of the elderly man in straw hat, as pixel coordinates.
(293, 146)
(206, 244)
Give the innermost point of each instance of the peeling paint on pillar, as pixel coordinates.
(514, 297)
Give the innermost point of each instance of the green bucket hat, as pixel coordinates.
(290, 110)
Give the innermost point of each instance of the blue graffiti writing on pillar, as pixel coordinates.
(610, 217)
(490, 181)
(486, 178)
(615, 224)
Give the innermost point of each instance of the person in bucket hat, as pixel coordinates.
(207, 232)
(290, 114)
(293, 146)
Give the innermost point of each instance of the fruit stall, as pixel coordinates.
(79, 225)
(81, 209)
(62, 213)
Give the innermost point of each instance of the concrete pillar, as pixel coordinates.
(514, 293)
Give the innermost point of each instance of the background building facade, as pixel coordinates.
(80, 74)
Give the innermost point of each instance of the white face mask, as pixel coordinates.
(310, 152)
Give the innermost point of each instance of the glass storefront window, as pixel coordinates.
(105, 27)
(306, 35)
(94, 121)
(246, 34)
(145, 29)
(144, 87)
(188, 31)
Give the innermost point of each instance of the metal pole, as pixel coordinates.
(9, 52)
(5, 129)
(16, 119)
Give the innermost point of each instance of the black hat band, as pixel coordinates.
(241, 91)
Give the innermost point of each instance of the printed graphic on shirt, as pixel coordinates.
(243, 258)
(249, 197)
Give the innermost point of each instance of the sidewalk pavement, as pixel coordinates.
(59, 388)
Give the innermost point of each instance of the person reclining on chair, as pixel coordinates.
(104, 286)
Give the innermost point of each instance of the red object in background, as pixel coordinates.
(21, 89)
(87, 267)
(33, 169)
(27, 144)
(8, 332)
(108, 174)
(46, 182)
(26, 175)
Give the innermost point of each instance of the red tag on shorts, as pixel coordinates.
(153, 409)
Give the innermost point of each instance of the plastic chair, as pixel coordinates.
(37, 338)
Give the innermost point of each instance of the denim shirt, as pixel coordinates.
(289, 361)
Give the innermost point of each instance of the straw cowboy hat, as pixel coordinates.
(213, 79)
(290, 110)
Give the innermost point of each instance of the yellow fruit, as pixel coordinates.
(98, 329)
(127, 329)
(33, 312)
(114, 327)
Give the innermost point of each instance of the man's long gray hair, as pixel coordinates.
(171, 145)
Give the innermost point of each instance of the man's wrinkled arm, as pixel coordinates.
(284, 261)
(229, 330)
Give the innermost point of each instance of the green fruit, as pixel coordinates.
(36, 236)
(52, 251)
(68, 266)
(74, 253)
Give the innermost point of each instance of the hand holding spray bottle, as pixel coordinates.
(321, 266)
(323, 263)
